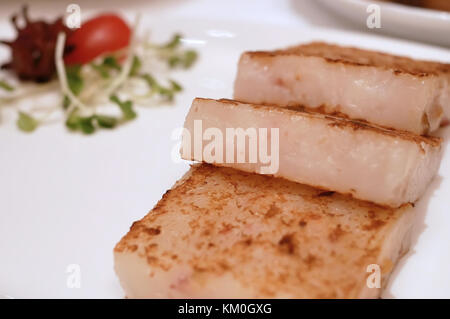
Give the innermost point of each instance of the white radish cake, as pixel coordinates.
(371, 163)
(224, 233)
(384, 89)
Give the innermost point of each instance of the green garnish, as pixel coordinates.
(26, 122)
(135, 66)
(176, 86)
(150, 81)
(101, 69)
(86, 124)
(161, 90)
(72, 120)
(185, 60)
(126, 108)
(74, 79)
(175, 56)
(111, 62)
(190, 56)
(76, 122)
(66, 102)
(174, 60)
(106, 121)
(81, 89)
(173, 43)
(5, 86)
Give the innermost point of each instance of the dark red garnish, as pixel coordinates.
(33, 51)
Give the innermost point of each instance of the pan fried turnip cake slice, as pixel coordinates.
(384, 89)
(371, 163)
(224, 233)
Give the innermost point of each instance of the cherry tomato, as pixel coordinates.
(100, 35)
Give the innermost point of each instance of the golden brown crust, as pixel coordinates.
(336, 121)
(359, 57)
(268, 233)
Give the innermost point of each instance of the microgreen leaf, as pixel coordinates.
(185, 59)
(76, 122)
(26, 122)
(86, 124)
(156, 87)
(173, 43)
(168, 93)
(106, 121)
(150, 81)
(190, 56)
(72, 120)
(74, 79)
(66, 102)
(126, 108)
(173, 61)
(108, 63)
(101, 69)
(5, 86)
(135, 66)
(176, 87)
(111, 62)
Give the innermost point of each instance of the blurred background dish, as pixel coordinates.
(407, 21)
(441, 5)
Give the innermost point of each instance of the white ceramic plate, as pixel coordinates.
(66, 199)
(413, 23)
